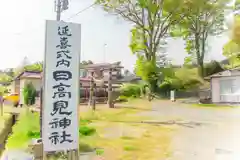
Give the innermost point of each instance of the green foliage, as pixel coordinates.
(151, 22)
(84, 121)
(4, 78)
(181, 81)
(85, 148)
(29, 93)
(130, 90)
(27, 127)
(212, 68)
(99, 151)
(86, 62)
(3, 89)
(86, 131)
(232, 51)
(38, 67)
(204, 18)
(147, 70)
(122, 98)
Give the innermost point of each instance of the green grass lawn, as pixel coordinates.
(3, 120)
(120, 138)
(114, 132)
(215, 106)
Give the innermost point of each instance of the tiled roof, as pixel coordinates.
(226, 73)
(29, 74)
(102, 66)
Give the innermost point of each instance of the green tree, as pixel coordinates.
(151, 21)
(29, 94)
(38, 66)
(10, 72)
(4, 78)
(86, 62)
(212, 68)
(204, 18)
(232, 51)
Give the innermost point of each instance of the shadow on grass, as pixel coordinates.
(216, 106)
(132, 107)
(190, 124)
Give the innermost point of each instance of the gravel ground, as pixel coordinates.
(212, 134)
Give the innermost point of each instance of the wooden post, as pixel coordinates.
(94, 97)
(1, 103)
(91, 90)
(110, 103)
(73, 155)
(41, 112)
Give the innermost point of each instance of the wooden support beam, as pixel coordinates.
(110, 101)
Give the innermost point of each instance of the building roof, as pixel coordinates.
(102, 66)
(130, 78)
(35, 74)
(226, 73)
(29, 74)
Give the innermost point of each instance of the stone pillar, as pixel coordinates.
(110, 101)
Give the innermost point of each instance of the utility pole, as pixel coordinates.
(60, 6)
(58, 10)
(104, 52)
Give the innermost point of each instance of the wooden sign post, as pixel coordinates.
(61, 88)
(1, 103)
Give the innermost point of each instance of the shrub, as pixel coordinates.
(122, 99)
(29, 93)
(86, 131)
(131, 90)
(33, 134)
(28, 127)
(84, 121)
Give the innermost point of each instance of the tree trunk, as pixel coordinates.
(152, 89)
(201, 70)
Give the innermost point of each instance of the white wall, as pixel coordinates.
(22, 83)
(11, 88)
(215, 82)
(215, 87)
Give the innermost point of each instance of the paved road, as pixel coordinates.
(204, 134)
(16, 155)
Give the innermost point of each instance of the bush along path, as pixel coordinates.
(7, 121)
(27, 128)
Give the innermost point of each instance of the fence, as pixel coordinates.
(101, 95)
(190, 94)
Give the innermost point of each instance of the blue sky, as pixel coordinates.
(22, 34)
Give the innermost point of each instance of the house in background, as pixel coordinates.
(24, 78)
(225, 86)
(101, 71)
(101, 74)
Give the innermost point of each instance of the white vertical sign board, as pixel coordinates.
(172, 95)
(61, 86)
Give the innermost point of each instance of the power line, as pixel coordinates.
(81, 11)
(74, 15)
